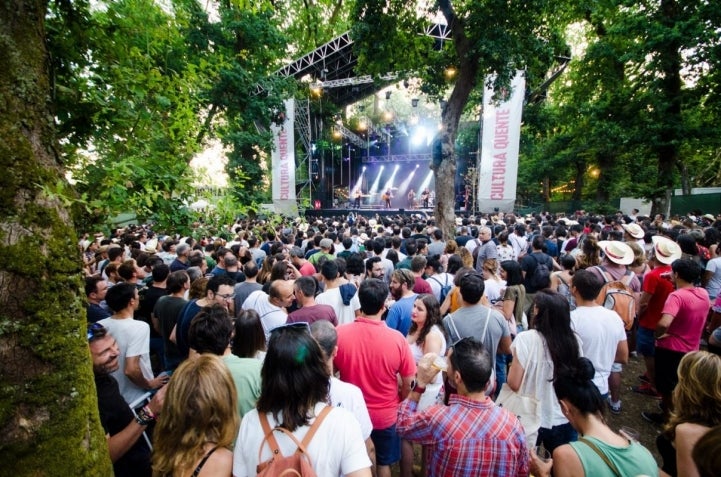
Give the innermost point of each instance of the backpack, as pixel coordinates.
(445, 289)
(541, 275)
(616, 295)
(298, 464)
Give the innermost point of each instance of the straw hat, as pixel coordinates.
(665, 250)
(617, 252)
(634, 230)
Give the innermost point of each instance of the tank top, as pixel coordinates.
(203, 461)
(633, 459)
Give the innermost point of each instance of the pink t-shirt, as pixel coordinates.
(689, 307)
(370, 355)
(307, 269)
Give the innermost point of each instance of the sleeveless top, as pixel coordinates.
(564, 288)
(633, 459)
(417, 350)
(203, 461)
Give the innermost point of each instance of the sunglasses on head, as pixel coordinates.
(300, 325)
(96, 330)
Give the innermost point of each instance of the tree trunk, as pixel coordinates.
(49, 421)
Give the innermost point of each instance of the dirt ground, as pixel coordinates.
(632, 406)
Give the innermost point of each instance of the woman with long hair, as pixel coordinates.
(199, 421)
(539, 355)
(561, 280)
(494, 284)
(294, 393)
(248, 337)
(266, 268)
(424, 336)
(514, 295)
(600, 452)
(696, 409)
(590, 255)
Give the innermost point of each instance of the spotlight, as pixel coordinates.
(364, 168)
(417, 166)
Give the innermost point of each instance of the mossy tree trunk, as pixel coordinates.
(48, 411)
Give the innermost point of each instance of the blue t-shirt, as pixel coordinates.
(399, 314)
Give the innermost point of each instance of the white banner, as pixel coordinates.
(499, 151)
(283, 163)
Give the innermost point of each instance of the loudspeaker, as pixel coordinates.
(402, 210)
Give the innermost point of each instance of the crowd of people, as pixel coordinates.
(338, 344)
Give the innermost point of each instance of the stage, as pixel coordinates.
(373, 211)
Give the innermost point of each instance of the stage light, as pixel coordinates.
(397, 167)
(364, 168)
(417, 166)
(419, 136)
(450, 72)
(388, 94)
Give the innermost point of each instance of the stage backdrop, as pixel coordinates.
(499, 153)
(283, 163)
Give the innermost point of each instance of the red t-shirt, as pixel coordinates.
(370, 355)
(689, 307)
(307, 269)
(659, 287)
(422, 286)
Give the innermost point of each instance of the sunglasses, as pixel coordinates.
(299, 325)
(96, 330)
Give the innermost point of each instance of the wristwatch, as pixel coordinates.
(416, 388)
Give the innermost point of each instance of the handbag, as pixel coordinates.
(526, 407)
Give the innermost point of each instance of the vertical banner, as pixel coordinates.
(283, 163)
(499, 150)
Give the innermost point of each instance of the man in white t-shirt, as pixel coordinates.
(600, 329)
(134, 373)
(339, 294)
(271, 307)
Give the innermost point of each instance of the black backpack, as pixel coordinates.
(541, 275)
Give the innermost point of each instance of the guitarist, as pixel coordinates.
(424, 197)
(387, 196)
(357, 201)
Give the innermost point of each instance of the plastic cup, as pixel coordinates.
(629, 433)
(542, 453)
(440, 363)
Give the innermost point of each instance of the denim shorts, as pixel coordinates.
(388, 445)
(645, 342)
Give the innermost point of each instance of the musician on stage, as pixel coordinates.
(357, 201)
(411, 199)
(425, 195)
(387, 198)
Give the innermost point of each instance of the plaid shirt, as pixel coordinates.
(467, 438)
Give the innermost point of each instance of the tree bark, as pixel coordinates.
(49, 421)
(445, 172)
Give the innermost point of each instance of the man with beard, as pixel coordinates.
(129, 453)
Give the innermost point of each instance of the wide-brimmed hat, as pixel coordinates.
(634, 230)
(665, 250)
(151, 246)
(617, 252)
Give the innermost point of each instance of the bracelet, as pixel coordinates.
(143, 417)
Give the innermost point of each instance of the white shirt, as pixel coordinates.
(271, 316)
(350, 397)
(337, 448)
(438, 281)
(133, 338)
(600, 330)
(332, 297)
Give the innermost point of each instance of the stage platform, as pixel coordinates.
(371, 212)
